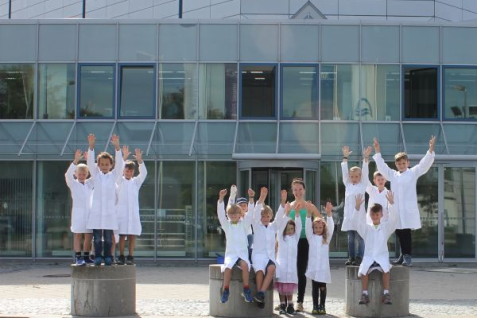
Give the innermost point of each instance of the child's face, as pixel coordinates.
(81, 175)
(376, 217)
(290, 230)
(318, 228)
(355, 177)
(402, 164)
(104, 165)
(244, 208)
(266, 218)
(128, 173)
(234, 217)
(298, 191)
(379, 181)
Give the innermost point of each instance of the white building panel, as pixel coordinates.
(166, 10)
(203, 13)
(454, 3)
(147, 13)
(411, 8)
(448, 13)
(100, 13)
(470, 5)
(296, 5)
(138, 5)
(264, 7)
(117, 10)
(223, 9)
(189, 5)
(327, 6)
(362, 7)
(469, 16)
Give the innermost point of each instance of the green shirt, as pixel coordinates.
(303, 220)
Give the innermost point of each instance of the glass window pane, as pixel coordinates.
(258, 42)
(420, 44)
(300, 92)
(340, 92)
(459, 212)
(137, 42)
(177, 42)
(389, 136)
(256, 138)
(18, 42)
(16, 91)
(96, 91)
(56, 91)
(340, 43)
(417, 138)
(212, 176)
(47, 138)
(145, 242)
(79, 136)
(137, 91)
(334, 136)
(305, 37)
(461, 139)
(258, 91)
(97, 42)
(218, 91)
(460, 93)
(57, 42)
(380, 92)
(465, 39)
(173, 139)
(176, 210)
(218, 42)
(16, 183)
(12, 136)
(299, 138)
(420, 92)
(380, 44)
(136, 135)
(178, 85)
(214, 139)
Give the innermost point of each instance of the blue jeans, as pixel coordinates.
(98, 242)
(352, 235)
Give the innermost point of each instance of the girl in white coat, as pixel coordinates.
(127, 189)
(81, 190)
(286, 275)
(319, 234)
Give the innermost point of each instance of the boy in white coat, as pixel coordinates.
(127, 189)
(81, 190)
(376, 254)
(377, 194)
(103, 217)
(236, 252)
(403, 184)
(245, 206)
(355, 182)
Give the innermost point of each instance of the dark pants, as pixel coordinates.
(405, 240)
(302, 263)
(98, 242)
(317, 288)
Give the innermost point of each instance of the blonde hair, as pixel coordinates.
(355, 168)
(400, 155)
(325, 229)
(267, 209)
(82, 168)
(234, 209)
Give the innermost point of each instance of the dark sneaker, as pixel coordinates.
(261, 305)
(364, 299)
(407, 260)
(350, 261)
(121, 260)
(88, 260)
(357, 261)
(259, 297)
(316, 310)
(291, 310)
(225, 296)
(130, 260)
(80, 261)
(108, 261)
(247, 295)
(98, 260)
(299, 307)
(283, 309)
(387, 299)
(398, 261)
(322, 310)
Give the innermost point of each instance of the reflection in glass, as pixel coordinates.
(137, 91)
(420, 92)
(417, 138)
(96, 91)
(173, 138)
(460, 91)
(214, 138)
(178, 91)
(389, 136)
(256, 138)
(298, 137)
(15, 211)
(16, 91)
(218, 91)
(461, 139)
(335, 135)
(459, 212)
(300, 92)
(258, 91)
(56, 91)
(145, 243)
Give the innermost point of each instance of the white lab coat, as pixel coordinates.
(319, 252)
(375, 240)
(103, 214)
(376, 197)
(236, 236)
(286, 271)
(250, 208)
(403, 186)
(351, 190)
(81, 195)
(127, 191)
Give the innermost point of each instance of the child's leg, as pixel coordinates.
(323, 291)
(364, 282)
(351, 247)
(360, 245)
(302, 263)
(122, 244)
(268, 278)
(314, 293)
(108, 243)
(77, 242)
(98, 242)
(132, 244)
(245, 273)
(259, 280)
(386, 279)
(282, 298)
(227, 277)
(87, 242)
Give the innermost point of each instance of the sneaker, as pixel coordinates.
(299, 307)
(387, 299)
(398, 261)
(259, 297)
(322, 310)
(130, 260)
(283, 309)
(291, 310)
(357, 261)
(247, 295)
(407, 260)
(121, 260)
(350, 261)
(108, 261)
(88, 260)
(80, 261)
(316, 310)
(225, 296)
(98, 260)
(261, 305)
(364, 299)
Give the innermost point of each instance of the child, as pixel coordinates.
(129, 222)
(403, 185)
(354, 184)
(376, 255)
(286, 283)
(245, 207)
(81, 190)
(103, 217)
(377, 194)
(319, 234)
(236, 253)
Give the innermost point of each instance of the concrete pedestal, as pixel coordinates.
(399, 290)
(236, 306)
(103, 291)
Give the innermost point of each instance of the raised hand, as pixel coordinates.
(367, 152)
(308, 209)
(91, 141)
(251, 193)
(288, 209)
(138, 155)
(85, 155)
(377, 147)
(432, 143)
(78, 156)
(222, 194)
(263, 194)
(359, 201)
(328, 208)
(390, 197)
(283, 196)
(115, 142)
(346, 151)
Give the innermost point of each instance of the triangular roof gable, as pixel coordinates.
(309, 11)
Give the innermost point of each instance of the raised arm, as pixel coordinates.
(280, 215)
(70, 173)
(257, 212)
(93, 169)
(298, 226)
(365, 174)
(357, 220)
(282, 218)
(383, 168)
(393, 219)
(119, 164)
(426, 162)
(308, 223)
(142, 167)
(329, 220)
(221, 210)
(233, 195)
(344, 164)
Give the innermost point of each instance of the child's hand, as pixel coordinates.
(126, 152)
(138, 155)
(115, 142)
(263, 194)
(359, 201)
(346, 152)
(283, 196)
(233, 191)
(308, 209)
(432, 143)
(328, 208)
(85, 155)
(390, 197)
(251, 193)
(91, 141)
(288, 209)
(367, 152)
(78, 156)
(222, 194)
(377, 147)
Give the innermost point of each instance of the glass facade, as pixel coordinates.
(279, 101)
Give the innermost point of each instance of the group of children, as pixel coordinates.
(387, 212)
(106, 203)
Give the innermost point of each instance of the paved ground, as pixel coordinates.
(43, 290)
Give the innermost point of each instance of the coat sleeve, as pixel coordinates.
(331, 227)
(119, 165)
(256, 214)
(344, 172)
(224, 223)
(308, 229)
(69, 175)
(425, 164)
(392, 222)
(365, 174)
(298, 226)
(383, 168)
(142, 174)
(93, 169)
(279, 218)
(248, 219)
(358, 222)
